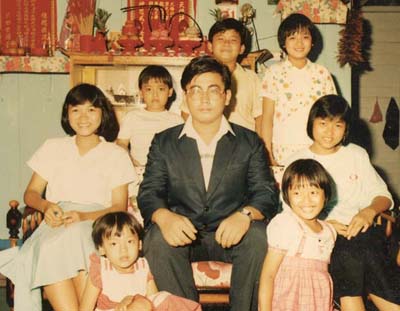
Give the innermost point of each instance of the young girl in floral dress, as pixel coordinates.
(290, 88)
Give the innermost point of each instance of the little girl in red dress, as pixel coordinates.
(119, 279)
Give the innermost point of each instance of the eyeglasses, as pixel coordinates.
(196, 93)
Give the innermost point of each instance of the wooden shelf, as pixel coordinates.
(84, 59)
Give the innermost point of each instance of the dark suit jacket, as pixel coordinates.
(240, 176)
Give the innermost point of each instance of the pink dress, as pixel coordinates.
(302, 282)
(115, 286)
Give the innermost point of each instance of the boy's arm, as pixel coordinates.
(90, 295)
(124, 143)
(259, 121)
(267, 126)
(270, 268)
(184, 115)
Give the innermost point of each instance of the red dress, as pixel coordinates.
(115, 286)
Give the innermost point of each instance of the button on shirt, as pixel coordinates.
(206, 151)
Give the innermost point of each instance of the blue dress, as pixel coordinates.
(49, 256)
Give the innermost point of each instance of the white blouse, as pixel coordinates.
(287, 232)
(81, 179)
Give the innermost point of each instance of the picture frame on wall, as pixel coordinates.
(273, 2)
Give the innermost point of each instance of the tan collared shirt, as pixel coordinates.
(246, 102)
(206, 151)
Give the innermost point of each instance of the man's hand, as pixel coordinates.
(53, 215)
(361, 222)
(176, 229)
(232, 229)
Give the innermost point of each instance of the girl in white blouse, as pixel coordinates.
(85, 176)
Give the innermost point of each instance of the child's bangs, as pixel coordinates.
(81, 100)
(117, 228)
(302, 180)
(297, 29)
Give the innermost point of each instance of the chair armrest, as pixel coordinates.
(14, 217)
(31, 219)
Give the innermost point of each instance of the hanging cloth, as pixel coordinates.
(376, 114)
(392, 128)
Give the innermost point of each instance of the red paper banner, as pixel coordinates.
(28, 27)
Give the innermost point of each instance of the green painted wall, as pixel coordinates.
(30, 104)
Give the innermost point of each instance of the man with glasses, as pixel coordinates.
(206, 191)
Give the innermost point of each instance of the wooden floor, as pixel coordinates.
(4, 306)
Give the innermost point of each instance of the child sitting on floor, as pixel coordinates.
(119, 279)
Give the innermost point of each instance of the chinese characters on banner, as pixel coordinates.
(28, 27)
(171, 7)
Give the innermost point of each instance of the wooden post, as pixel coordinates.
(14, 217)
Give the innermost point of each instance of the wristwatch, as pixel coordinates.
(246, 212)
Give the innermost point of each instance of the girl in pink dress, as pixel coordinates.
(119, 279)
(295, 273)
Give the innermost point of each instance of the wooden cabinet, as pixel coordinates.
(118, 75)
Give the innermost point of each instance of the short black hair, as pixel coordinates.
(310, 171)
(204, 64)
(161, 74)
(228, 24)
(82, 93)
(291, 25)
(330, 106)
(104, 226)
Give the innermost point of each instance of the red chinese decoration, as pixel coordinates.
(170, 6)
(28, 27)
(78, 26)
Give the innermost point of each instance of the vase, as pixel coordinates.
(86, 43)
